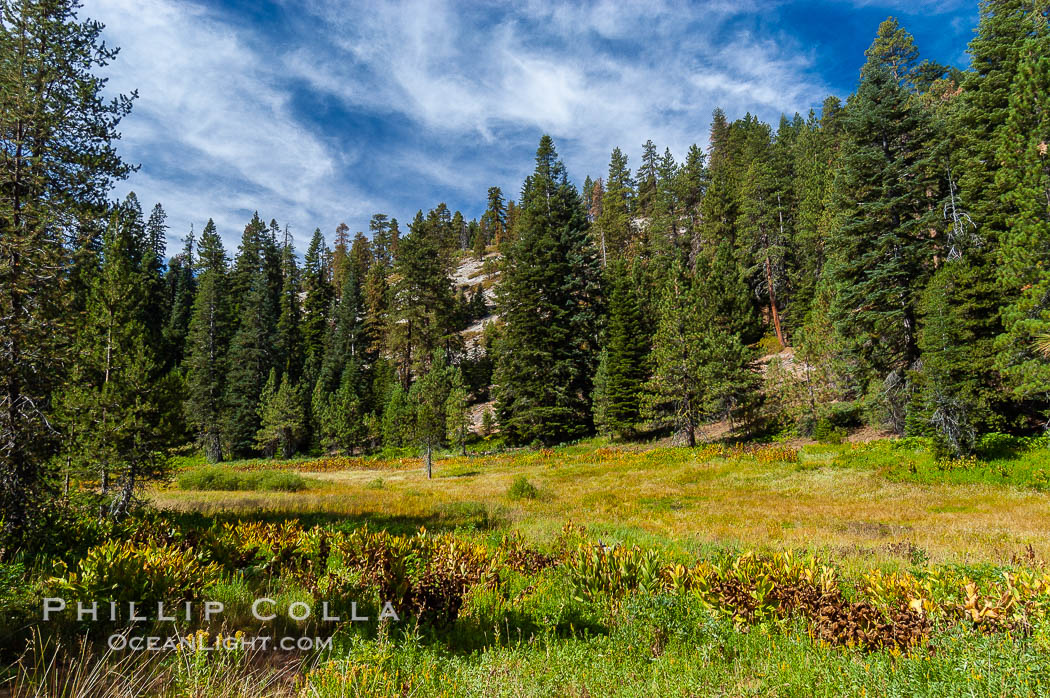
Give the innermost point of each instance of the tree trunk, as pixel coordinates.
(430, 463)
(773, 304)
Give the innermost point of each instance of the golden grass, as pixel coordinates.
(688, 497)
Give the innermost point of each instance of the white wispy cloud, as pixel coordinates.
(597, 74)
(419, 101)
(212, 128)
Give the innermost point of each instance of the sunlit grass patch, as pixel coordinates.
(220, 478)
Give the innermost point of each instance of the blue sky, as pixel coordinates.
(320, 111)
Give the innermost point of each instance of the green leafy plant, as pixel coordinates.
(521, 488)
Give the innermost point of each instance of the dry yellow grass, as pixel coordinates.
(688, 497)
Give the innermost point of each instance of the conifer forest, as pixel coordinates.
(681, 426)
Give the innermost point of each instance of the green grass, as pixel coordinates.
(852, 496)
(225, 479)
(867, 511)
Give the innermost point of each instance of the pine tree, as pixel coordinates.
(549, 300)
(718, 151)
(397, 419)
(718, 210)
(949, 403)
(113, 407)
(361, 256)
(995, 52)
(667, 219)
(58, 160)
(421, 298)
(428, 399)
(316, 304)
(613, 224)
(376, 300)
(814, 152)
(674, 395)
(762, 232)
(886, 195)
(1024, 252)
(894, 50)
(382, 243)
(210, 331)
(247, 263)
(693, 182)
(340, 257)
(342, 420)
(344, 342)
(625, 353)
(494, 220)
(728, 374)
(729, 296)
(181, 289)
(152, 264)
(457, 420)
(252, 356)
(282, 423)
(477, 240)
(647, 178)
(289, 331)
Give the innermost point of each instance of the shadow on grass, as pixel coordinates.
(453, 516)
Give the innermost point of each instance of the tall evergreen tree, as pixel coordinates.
(340, 256)
(494, 220)
(58, 160)
(421, 298)
(625, 352)
(382, 239)
(949, 402)
(252, 355)
(995, 52)
(887, 192)
(113, 408)
(549, 300)
(340, 416)
(814, 152)
(613, 224)
(289, 342)
(152, 264)
(207, 345)
(457, 419)
(316, 303)
(428, 400)
(729, 296)
(181, 289)
(647, 178)
(762, 229)
(345, 342)
(1024, 251)
(282, 423)
(247, 263)
(674, 394)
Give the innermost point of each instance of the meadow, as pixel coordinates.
(862, 499)
(593, 569)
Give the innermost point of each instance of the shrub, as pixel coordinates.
(769, 345)
(521, 488)
(776, 454)
(278, 481)
(123, 571)
(827, 433)
(219, 478)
